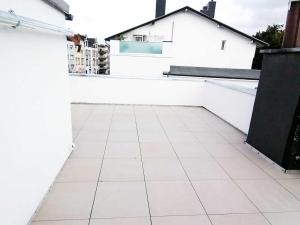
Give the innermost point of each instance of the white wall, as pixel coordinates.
(35, 129)
(232, 105)
(135, 91)
(196, 42)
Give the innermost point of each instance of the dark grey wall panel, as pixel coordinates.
(275, 105)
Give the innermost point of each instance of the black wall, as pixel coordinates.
(160, 8)
(276, 105)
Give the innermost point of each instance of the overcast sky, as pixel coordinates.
(103, 18)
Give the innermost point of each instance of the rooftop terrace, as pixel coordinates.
(143, 165)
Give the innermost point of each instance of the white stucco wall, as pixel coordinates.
(196, 42)
(232, 105)
(115, 90)
(35, 131)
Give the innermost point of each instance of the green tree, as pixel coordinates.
(273, 35)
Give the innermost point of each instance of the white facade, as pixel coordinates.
(188, 40)
(72, 59)
(35, 130)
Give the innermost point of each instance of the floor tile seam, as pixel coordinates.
(238, 186)
(181, 164)
(142, 161)
(99, 175)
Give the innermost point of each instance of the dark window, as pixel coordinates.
(223, 45)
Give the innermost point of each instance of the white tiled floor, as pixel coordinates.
(150, 165)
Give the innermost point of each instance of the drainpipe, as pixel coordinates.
(292, 30)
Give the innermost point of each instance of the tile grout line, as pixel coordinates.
(141, 156)
(272, 178)
(98, 180)
(178, 158)
(232, 180)
(258, 166)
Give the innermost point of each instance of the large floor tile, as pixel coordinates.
(293, 185)
(157, 150)
(163, 169)
(242, 168)
(201, 168)
(239, 219)
(290, 218)
(122, 150)
(269, 196)
(89, 136)
(223, 197)
(210, 137)
(68, 201)
(234, 136)
(123, 136)
(190, 150)
(62, 222)
(120, 199)
(173, 198)
(181, 136)
(150, 136)
(80, 170)
(89, 150)
(222, 150)
(122, 221)
(181, 220)
(122, 170)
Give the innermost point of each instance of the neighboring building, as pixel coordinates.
(86, 55)
(91, 56)
(80, 55)
(104, 59)
(71, 57)
(185, 37)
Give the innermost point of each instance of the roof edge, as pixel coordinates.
(61, 6)
(260, 42)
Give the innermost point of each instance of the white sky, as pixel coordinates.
(103, 18)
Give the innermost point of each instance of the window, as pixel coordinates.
(223, 45)
(71, 46)
(71, 57)
(140, 38)
(82, 61)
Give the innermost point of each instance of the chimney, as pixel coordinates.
(160, 8)
(292, 29)
(210, 9)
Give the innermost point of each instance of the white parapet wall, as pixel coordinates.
(35, 130)
(231, 100)
(118, 90)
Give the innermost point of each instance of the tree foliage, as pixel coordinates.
(273, 35)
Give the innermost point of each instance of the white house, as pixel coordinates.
(185, 37)
(35, 130)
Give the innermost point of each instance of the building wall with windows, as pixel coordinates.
(80, 58)
(72, 59)
(187, 39)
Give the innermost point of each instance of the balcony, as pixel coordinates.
(165, 165)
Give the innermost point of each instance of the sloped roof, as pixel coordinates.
(260, 42)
